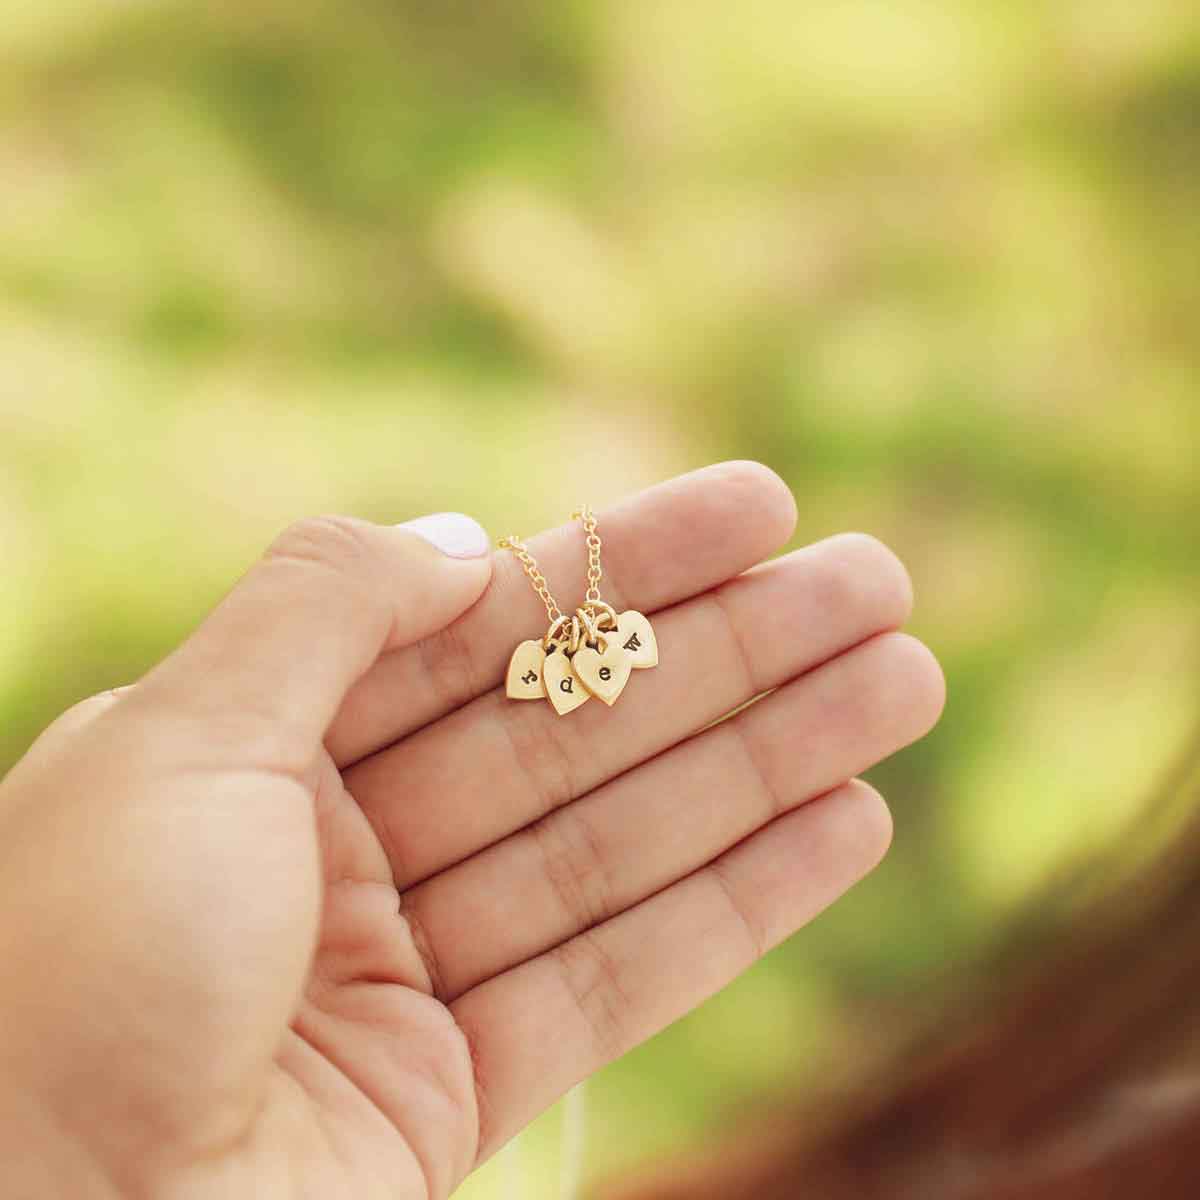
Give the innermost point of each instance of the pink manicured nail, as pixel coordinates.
(454, 534)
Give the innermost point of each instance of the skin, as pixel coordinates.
(313, 910)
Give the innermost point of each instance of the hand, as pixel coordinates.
(313, 910)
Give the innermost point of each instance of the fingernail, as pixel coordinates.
(454, 534)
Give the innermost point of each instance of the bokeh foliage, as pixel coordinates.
(936, 261)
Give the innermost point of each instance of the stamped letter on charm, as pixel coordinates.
(604, 673)
(562, 684)
(637, 638)
(524, 681)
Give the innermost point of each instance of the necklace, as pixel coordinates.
(590, 653)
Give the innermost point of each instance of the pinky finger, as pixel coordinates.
(539, 1028)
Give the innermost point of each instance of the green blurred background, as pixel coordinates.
(935, 261)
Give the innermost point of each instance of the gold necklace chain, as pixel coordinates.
(592, 652)
(536, 578)
(529, 564)
(584, 513)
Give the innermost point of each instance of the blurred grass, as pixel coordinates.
(938, 263)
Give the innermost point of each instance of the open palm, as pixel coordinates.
(215, 994)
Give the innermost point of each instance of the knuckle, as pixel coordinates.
(774, 802)
(448, 664)
(83, 712)
(100, 702)
(543, 759)
(332, 541)
(573, 864)
(756, 938)
(737, 641)
(594, 981)
(88, 709)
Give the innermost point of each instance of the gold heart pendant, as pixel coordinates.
(563, 687)
(604, 672)
(526, 668)
(637, 639)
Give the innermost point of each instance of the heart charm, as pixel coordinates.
(637, 639)
(525, 672)
(604, 672)
(563, 688)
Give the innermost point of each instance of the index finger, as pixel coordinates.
(661, 546)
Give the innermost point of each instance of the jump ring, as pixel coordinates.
(551, 633)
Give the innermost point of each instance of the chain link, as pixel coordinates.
(538, 580)
(585, 514)
(529, 565)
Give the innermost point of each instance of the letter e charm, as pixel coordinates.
(604, 672)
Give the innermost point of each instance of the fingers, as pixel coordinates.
(642, 831)
(277, 656)
(540, 1028)
(496, 765)
(660, 546)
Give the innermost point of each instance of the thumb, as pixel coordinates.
(328, 597)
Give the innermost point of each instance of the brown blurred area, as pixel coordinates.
(1069, 1071)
